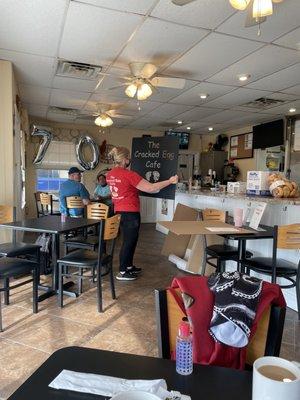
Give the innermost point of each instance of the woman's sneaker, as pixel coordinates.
(134, 269)
(126, 276)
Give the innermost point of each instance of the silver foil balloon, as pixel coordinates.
(46, 136)
(87, 140)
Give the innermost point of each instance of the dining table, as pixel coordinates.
(225, 229)
(205, 382)
(54, 226)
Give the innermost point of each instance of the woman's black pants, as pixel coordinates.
(130, 226)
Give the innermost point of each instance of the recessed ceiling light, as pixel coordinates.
(188, 128)
(210, 128)
(292, 110)
(243, 77)
(203, 96)
(179, 122)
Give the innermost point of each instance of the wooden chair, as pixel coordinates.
(265, 342)
(286, 237)
(46, 202)
(97, 211)
(74, 202)
(215, 246)
(14, 248)
(102, 262)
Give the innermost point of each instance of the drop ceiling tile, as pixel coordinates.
(60, 118)
(32, 27)
(192, 96)
(223, 116)
(196, 114)
(212, 54)
(159, 42)
(279, 80)
(106, 97)
(166, 94)
(129, 6)
(34, 94)
(131, 107)
(68, 99)
(80, 85)
(142, 123)
(95, 35)
(294, 90)
(82, 121)
(264, 61)
(36, 110)
(291, 39)
(167, 111)
(201, 13)
(237, 97)
(29, 69)
(286, 17)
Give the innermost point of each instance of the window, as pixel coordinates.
(49, 180)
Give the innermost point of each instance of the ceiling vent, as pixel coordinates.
(63, 111)
(72, 69)
(264, 103)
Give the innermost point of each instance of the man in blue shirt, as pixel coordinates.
(73, 187)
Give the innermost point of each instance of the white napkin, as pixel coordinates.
(106, 385)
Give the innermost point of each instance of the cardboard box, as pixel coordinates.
(236, 187)
(257, 183)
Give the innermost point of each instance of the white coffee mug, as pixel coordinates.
(265, 388)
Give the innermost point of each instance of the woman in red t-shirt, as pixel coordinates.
(124, 186)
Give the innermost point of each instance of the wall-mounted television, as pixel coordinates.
(182, 136)
(268, 135)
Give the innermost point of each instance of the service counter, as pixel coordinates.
(277, 212)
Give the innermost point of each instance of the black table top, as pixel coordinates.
(209, 383)
(50, 224)
(264, 232)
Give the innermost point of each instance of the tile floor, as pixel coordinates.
(127, 325)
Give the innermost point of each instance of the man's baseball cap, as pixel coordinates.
(75, 170)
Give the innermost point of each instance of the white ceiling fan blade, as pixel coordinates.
(114, 114)
(142, 70)
(119, 86)
(182, 2)
(163, 81)
(250, 21)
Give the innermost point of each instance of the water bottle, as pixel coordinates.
(184, 349)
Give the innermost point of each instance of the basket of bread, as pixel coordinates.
(282, 187)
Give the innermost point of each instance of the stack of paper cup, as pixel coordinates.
(238, 217)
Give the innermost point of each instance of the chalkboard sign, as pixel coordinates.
(156, 158)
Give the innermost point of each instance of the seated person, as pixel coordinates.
(102, 191)
(73, 187)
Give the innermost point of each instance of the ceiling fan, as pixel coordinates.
(257, 10)
(104, 114)
(143, 81)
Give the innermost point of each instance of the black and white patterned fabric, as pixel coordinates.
(236, 299)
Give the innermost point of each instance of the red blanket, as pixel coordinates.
(205, 349)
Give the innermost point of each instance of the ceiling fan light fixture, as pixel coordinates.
(239, 4)
(262, 8)
(144, 91)
(103, 120)
(130, 91)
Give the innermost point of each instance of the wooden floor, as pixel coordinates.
(127, 325)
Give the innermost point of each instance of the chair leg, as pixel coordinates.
(222, 266)
(99, 290)
(1, 327)
(94, 274)
(219, 265)
(112, 283)
(298, 292)
(6, 293)
(60, 286)
(35, 293)
(79, 285)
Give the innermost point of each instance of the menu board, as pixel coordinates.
(241, 146)
(156, 159)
